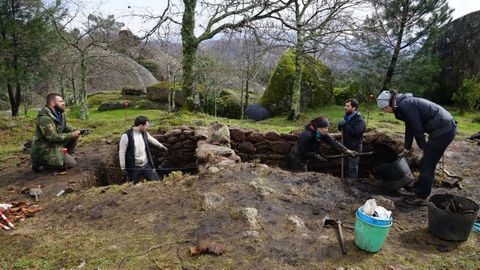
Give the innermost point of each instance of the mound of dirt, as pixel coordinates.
(264, 217)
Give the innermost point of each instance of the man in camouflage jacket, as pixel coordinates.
(52, 134)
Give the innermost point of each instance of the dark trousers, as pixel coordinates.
(432, 153)
(147, 171)
(352, 163)
(295, 161)
(352, 167)
(71, 145)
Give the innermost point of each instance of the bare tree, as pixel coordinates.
(221, 16)
(94, 33)
(305, 26)
(255, 53)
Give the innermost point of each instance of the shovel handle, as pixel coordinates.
(343, 155)
(342, 240)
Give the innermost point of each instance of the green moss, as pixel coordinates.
(317, 84)
(166, 85)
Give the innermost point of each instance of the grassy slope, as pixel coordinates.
(108, 125)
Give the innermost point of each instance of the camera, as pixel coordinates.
(84, 131)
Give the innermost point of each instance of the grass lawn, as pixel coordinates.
(110, 124)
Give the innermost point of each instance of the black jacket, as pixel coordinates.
(353, 132)
(422, 116)
(307, 144)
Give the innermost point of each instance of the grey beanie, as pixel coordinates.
(383, 100)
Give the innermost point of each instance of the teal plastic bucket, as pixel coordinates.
(370, 237)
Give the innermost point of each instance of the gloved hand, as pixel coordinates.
(351, 153)
(404, 153)
(341, 124)
(320, 157)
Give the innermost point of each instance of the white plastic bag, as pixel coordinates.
(369, 207)
(5, 206)
(382, 213)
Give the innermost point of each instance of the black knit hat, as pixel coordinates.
(320, 122)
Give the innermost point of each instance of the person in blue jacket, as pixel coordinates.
(421, 116)
(352, 127)
(308, 143)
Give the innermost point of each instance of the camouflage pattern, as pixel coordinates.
(49, 139)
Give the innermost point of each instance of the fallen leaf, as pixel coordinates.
(195, 251)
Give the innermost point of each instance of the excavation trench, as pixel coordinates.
(217, 146)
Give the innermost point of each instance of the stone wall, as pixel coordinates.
(272, 148)
(217, 147)
(181, 143)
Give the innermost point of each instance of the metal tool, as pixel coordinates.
(345, 155)
(333, 222)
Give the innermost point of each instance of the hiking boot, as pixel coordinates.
(406, 192)
(413, 200)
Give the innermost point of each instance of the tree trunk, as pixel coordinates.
(13, 101)
(83, 90)
(62, 87)
(14, 98)
(393, 61)
(173, 93)
(297, 80)
(190, 46)
(242, 108)
(247, 86)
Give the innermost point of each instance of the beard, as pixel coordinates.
(59, 109)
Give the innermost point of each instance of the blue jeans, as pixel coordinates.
(352, 167)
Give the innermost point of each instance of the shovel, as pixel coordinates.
(332, 222)
(345, 155)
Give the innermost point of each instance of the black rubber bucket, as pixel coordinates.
(451, 217)
(396, 174)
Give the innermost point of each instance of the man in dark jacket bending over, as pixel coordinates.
(421, 116)
(134, 152)
(352, 127)
(308, 143)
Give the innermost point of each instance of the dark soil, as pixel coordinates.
(153, 225)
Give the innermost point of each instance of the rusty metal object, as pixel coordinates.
(332, 222)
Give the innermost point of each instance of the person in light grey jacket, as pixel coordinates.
(134, 152)
(421, 116)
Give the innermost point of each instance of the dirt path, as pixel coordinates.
(265, 217)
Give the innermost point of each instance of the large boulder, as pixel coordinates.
(161, 90)
(317, 84)
(132, 91)
(116, 71)
(257, 112)
(107, 106)
(458, 50)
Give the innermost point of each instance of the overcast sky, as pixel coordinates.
(121, 8)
